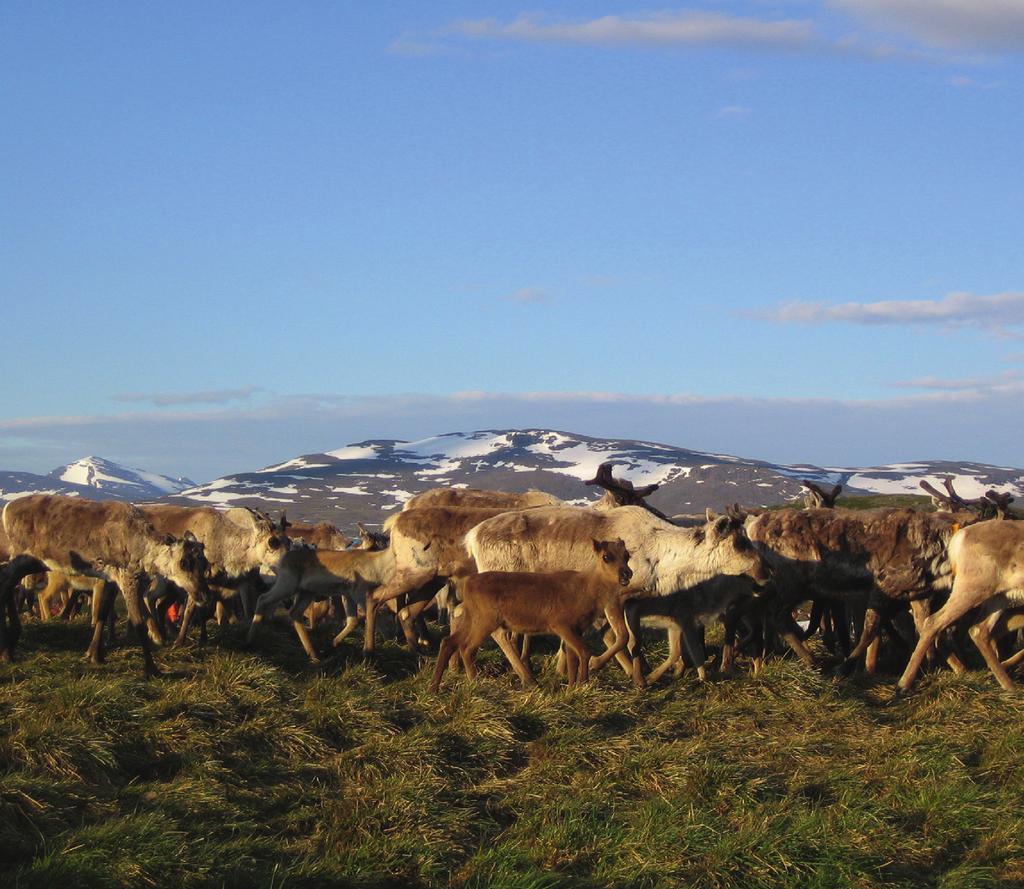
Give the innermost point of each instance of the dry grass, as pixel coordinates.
(248, 768)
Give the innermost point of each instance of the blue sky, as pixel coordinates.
(235, 232)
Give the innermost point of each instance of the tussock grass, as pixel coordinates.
(250, 768)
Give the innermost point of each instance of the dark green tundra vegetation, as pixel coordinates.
(249, 768)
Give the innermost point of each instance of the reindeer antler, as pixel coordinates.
(819, 498)
(623, 491)
(1001, 502)
(991, 506)
(939, 500)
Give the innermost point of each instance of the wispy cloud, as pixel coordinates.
(528, 295)
(962, 82)
(665, 29)
(998, 313)
(410, 46)
(1007, 383)
(992, 25)
(732, 111)
(915, 35)
(169, 399)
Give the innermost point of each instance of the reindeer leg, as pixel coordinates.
(638, 664)
(131, 583)
(101, 606)
(186, 619)
(574, 641)
(872, 626)
(622, 658)
(920, 609)
(472, 640)
(284, 587)
(408, 617)
(981, 634)
(675, 654)
(617, 619)
(783, 623)
(10, 623)
(403, 582)
(508, 648)
(694, 646)
(302, 601)
(1008, 623)
(448, 648)
(961, 600)
(730, 621)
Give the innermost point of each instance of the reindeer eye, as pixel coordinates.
(274, 543)
(607, 557)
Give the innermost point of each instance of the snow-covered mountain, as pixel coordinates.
(368, 480)
(93, 478)
(122, 481)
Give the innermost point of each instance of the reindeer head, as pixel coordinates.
(614, 557)
(186, 565)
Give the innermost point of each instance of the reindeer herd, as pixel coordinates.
(510, 566)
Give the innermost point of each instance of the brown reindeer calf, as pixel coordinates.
(562, 602)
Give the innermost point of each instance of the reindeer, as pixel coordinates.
(108, 540)
(461, 498)
(665, 558)
(321, 536)
(987, 564)
(309, 574)
(718, 598)
(562, 602)
(11, 574)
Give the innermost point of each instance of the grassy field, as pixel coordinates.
(249, 768)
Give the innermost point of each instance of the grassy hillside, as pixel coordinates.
(249, 768)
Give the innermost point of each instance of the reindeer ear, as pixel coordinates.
(190, 537)
(709, 514)
(722, 524)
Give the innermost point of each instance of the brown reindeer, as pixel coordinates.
(111, 541)
(561, 602)
(461, 498)
(320, 536)
(309, 574)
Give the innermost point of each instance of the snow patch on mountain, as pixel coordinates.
(106, 475)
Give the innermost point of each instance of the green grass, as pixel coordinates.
(249, 768)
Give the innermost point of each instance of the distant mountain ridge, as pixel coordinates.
(368, 480)
(93, 478)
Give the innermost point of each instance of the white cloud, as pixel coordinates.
(996, 25)
(210, 396)
(682, 28)
(997, 313)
